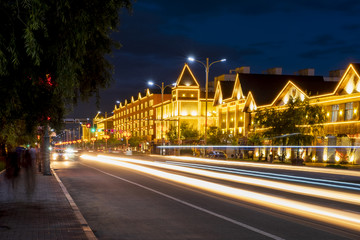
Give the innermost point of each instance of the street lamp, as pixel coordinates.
(106, 137)
(207, 68)
(93, 139)
(162, 87)
(127, 136)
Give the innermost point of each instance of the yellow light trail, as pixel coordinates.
(265, 165)
(344, 219)
(303, 190)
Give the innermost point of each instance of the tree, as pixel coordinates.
(52, 53)
(299, 121)
(172, 133)
(214, 136)
(188, 132)
(135, 141)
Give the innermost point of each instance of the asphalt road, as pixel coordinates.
(126, 202)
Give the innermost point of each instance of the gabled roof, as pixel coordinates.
(224, 90)
(289, 90)
(250, 104)
(237, 92)
(187, 78)
(227, 89)
(265, 87)
(350, 81)
(218, 95)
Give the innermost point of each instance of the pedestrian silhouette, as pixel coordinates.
(28, 165)
(12, 167)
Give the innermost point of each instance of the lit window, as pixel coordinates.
(334, 112)
(348, 111)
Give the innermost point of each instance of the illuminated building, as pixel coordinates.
(137, 116)
(187, 105)
(236, 103)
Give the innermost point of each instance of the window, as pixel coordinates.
(334, 112)
(348, 111)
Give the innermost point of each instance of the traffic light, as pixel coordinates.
(88, 125)
(93, 130)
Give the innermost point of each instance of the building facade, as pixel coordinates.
(137, 118)
(340, 100)
(186, 106)
(233, 104)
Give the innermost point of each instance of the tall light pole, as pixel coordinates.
(162, 87)
(207, 68)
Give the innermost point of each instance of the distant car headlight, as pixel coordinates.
(54, 156)
(66, 157)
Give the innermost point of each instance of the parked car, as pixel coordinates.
(217, 154)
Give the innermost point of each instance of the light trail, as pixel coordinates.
(344, 219)
(313, 181)
(253, 147)
(266, 165)
(309, 191)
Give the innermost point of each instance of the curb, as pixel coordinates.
(85, 226)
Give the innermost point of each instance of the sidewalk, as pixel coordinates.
(43, 214)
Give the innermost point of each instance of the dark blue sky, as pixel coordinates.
(159, 35)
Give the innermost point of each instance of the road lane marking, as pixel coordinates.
(85, 226)
(192, 205)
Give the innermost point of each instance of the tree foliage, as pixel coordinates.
(298, 120)
(188, 132)
(216, 137)
(52, 53)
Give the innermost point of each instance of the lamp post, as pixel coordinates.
(106, 137)
(127, 136)
(93, 139)
(207, 68)
(162, 87)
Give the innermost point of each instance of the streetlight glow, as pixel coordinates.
(150, 83)
(207, 66)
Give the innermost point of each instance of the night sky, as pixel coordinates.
(159, 35)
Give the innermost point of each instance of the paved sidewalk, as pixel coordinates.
(42, 213)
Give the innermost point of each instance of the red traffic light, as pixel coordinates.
(88, 125)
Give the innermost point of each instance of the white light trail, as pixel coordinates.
(309, 191)
(313, 181)
(265, 165)
(333, 216)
